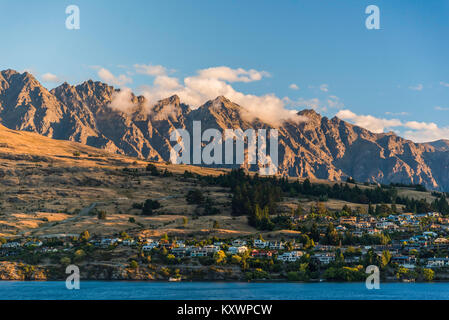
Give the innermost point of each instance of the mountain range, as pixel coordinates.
(317, 147)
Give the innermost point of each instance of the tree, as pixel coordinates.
(216, 225)
(65, 261)
(149, 206)
(84, 236)
(101, 215)
(133, 264)
(236, 259)
(79, 255)
(195, 197)
(385, 258)
(428, 274)
(321, 208)
(220, 257)
(152, 169)
(347, 209)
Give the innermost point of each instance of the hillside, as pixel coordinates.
(319, 147)
(49, 187)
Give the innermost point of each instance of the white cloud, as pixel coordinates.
(425, 132)
(403, 113)
(107, 76)
(444, 84)
(49, 77)
(376, 125)
(232, 75)
(150, 70)
(324, 87)
(334, 102)
(413, 130)
(418, 87)
(294, 86)
(122, 100)
(438, 108)
(209, 83)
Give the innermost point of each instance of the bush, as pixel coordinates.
(195, 197)
(101, 215)
(152, 169)
(149, 206)
(133, 264)
(65, 261)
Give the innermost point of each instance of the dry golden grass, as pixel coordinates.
(44, 187)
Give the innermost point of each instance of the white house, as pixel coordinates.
(237, 250)
(437, 262)
(260, 244)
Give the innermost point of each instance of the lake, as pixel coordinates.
(111, 290)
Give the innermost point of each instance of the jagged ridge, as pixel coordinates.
(318, 148)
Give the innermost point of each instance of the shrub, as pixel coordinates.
(152, 169)
(149, 206)
(101, 215)
(195, 197)
(133, 264)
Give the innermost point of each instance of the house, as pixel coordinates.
(441, 241)
(437, 262)
(109, 242)
(276, 245)
(352, 259)
(237, 250)
(33, 244)
(150, 246)
(433, 214)
(211, 249)
(357, 233)
(291, 256)
(128, 242)
(405, 261)
(11, 245)
(238, 243)
(430, 234)
(261, 244)
(179, 251)
(348, 220)
(262, 253)
(198, 252)
(324, 258)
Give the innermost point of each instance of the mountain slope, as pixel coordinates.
(319, 147)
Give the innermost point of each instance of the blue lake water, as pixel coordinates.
(111, 290)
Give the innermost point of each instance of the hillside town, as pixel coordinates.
(406, 247)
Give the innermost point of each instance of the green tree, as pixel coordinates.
(428, 274)
(195, 197)
(385, 258)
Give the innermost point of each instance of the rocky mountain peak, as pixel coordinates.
(317, 148)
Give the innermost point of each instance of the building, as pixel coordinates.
(237, 250)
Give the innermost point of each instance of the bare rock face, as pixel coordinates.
(317, 148)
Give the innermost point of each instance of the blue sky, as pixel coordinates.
(395, 78)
